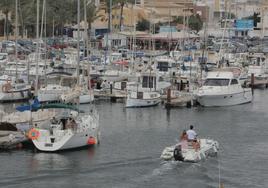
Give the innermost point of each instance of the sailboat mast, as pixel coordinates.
(16, 39)
(37, 46)
(78, 40)
(85, 36)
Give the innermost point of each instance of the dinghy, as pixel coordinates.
(184, 151)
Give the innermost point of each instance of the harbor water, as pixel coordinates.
(131, 144)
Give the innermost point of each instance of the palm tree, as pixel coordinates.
(60, 12)
(122, 4)
(6, 6)
(109, 3)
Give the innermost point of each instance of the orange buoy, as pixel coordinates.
(91, 141)
(33, 134)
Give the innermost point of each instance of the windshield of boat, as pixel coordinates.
(216, 82)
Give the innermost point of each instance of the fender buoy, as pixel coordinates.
(33, 134)
(91, 141)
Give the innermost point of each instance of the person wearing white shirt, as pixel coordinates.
(192, 137)
(191, 134)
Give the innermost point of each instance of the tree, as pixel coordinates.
(178, 20)
(122, 4)
(195, 22)
(59, 12)
(6, 6)
(143, 25)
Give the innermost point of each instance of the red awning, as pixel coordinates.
(121, 62)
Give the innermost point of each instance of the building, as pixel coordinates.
(168, 9)
(131, 15)
(154, 11)
(263, 25)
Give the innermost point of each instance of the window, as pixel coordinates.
(216, 82)
(148, 82)
(140, 95)
(234, 82)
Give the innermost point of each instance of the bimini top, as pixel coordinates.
(37, 106)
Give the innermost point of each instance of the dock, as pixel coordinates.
(114, 96)
(11, 139)
(175, 98)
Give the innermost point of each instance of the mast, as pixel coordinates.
(85, 37)
(45, 35)
(37, 47)
(78, 40)
(16, 39)
(170, 31)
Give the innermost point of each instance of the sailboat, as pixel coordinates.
(69, 129)
(15, 89)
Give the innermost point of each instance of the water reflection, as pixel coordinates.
(60, 161)
(168, 116)
(42, 161)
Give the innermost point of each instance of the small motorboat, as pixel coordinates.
(184, 151)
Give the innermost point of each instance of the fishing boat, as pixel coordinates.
(68, 130)
(187, 153)
(142, 99)
(145, 94)
(222, 88)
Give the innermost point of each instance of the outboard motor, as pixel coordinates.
(178, 154)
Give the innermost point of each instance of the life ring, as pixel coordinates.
(33, 134)
(6, 87)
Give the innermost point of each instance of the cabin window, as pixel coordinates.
(234, 82)
(140, 95)
(123, 85)
(163, 66)
(216, 82)
(148, 82)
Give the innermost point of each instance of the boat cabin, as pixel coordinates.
(148, 80)
(221, 79)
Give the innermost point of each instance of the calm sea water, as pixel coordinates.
(132, 141)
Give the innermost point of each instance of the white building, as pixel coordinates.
(263, 25)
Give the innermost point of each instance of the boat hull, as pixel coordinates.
(142, 102)
(69, 141)
(14, 96)
(225, 99)
(208, 147)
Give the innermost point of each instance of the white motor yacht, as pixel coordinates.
(222, 88)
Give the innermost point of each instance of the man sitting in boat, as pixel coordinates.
(192, 138)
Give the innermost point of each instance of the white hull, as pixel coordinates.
(142, 102)
(14, 96)
(58, 138)
(86, 98)
(142, 99)
(225, 99)
(49, 97)
(207, 147)
(69, 141)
